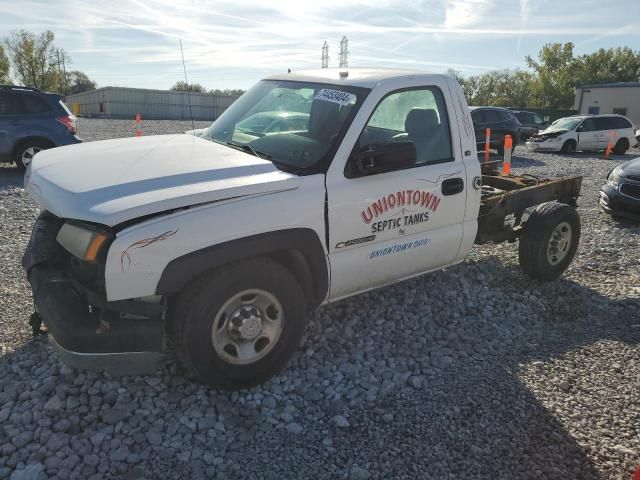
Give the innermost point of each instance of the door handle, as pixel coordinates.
(451, 186)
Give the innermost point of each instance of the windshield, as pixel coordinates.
(567, 123)
(296, 125)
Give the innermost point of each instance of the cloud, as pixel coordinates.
(137, 40)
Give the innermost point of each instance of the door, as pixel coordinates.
(12, 125)
(605, 126)
(405, 221)
(588, 135)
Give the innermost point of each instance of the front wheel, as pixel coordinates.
(239, 325)
(568, 147)
(549, 241)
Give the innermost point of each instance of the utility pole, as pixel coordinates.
(344, 53)
(325, 55)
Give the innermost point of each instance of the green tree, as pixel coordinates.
(621, 64)
(4, 67)
(35, 60)
(555, 71)
(78, 82)
(234, 92)
(504, 88)
(192, 87)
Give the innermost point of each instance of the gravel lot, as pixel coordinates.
(471, 372)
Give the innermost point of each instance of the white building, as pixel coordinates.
(121, 102)
(622, 98)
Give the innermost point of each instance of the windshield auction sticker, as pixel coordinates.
(335, 96)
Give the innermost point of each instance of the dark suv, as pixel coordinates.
(32, 120)
(501, 122)
(531, 123)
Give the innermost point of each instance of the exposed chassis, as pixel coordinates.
(504, 195)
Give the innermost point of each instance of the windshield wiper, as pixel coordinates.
(248, 148)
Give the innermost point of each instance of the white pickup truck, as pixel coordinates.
(218, 244)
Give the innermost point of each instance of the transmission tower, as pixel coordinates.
(344, 53)
(325, 55)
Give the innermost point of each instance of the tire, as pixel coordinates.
(568, 147)
(25, 152)
(545, 252)
(205, 337)
(621, 147)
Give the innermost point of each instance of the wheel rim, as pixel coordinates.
(247, 327)
(559, 243)
(28, 154)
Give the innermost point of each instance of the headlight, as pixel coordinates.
(614, 176)
(82, 241)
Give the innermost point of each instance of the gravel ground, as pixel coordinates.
(471, 372)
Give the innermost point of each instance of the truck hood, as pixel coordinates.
(113, 181)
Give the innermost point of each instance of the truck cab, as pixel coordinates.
(218, 245)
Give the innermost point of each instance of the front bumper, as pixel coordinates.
(85, 328)
(546, 146)
(618, 205)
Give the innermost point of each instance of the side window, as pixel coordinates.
(34, 105)
(6, 105)
(620, 123)
(477, 116)
(491, 116)
(589, 125)
(504, 115)
(537, 120)
(417, 116)
(604, 123)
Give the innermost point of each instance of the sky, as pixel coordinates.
(232, 44)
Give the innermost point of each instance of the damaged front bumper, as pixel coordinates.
(124, 337)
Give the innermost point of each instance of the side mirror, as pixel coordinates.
(383, 157)
(580, 128)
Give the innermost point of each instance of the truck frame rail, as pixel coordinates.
(506, 197)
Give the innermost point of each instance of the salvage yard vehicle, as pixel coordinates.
(586, 133)
(218, 250)
(30, 121)
(501, 121)
(620, 195)
(531, 123)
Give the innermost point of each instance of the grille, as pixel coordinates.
(633, 178)
(630, 190)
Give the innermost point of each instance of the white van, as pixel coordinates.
(585, 132)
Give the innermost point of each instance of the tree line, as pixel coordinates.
(551, 78)
(182, 86)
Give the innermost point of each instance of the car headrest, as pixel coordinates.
(420, 121)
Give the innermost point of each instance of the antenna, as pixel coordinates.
(193, 127)
(344, 53)
(325, 55)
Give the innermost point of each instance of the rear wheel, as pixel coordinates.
(549, 241)
(26, 152)
(568, 147)
(239, 325)
(621, 147)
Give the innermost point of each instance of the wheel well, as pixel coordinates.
(624, 140)
(298, 250)
(26, 140)
(298, 265)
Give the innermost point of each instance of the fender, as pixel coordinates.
(299, 249)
